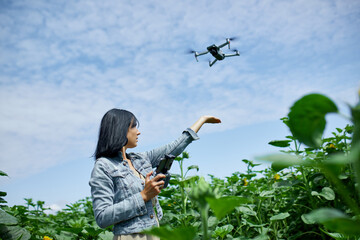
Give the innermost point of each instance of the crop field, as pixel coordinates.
(311, 191)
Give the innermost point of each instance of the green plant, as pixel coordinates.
(311, 191)
(10, 227)
(31, 221)
(333, 161)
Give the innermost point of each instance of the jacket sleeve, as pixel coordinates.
(107, 212)
(175, 148)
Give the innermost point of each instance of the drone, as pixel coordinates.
(216, 52)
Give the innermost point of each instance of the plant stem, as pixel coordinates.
(183, 197)
(307, 185)
(343, 190)
(302, 170)
(204, 220)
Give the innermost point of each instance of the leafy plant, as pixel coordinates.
(9, 225)
(311, 191)
(333, 159)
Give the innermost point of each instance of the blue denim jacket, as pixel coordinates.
(116, 190)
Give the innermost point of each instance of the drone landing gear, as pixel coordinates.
(212, 63)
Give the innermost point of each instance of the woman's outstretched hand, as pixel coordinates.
(211, 119)
(152, 186)
(204, 119)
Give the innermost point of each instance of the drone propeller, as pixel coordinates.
(235, 51)
(230, 40)
(190, 51)
(233, 38)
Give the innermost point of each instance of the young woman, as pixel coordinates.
(124, 191)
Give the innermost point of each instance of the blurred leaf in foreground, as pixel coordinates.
(307, 118)
(333, 219)
(167, 233)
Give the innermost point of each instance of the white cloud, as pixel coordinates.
(64, 65)
(55, 207)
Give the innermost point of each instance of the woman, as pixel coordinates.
(124, 193)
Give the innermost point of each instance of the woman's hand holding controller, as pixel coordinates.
(152, 186)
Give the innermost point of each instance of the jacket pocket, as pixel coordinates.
(118, 173)
(122, 180)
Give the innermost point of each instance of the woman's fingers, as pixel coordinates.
(158, 180)
(147, 178)
(212, 119)
(158, 177)
(152, 186)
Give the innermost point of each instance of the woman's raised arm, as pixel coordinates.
(204, 119)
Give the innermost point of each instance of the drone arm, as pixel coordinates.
(212, 63)
(232, 55)
(199, 54)
(202, 53)
(224, 44)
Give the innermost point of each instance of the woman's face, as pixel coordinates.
(132, 137)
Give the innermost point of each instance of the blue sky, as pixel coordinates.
(63, 64)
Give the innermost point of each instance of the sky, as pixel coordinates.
(64, 64)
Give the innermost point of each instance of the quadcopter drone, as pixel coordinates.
(216, 52)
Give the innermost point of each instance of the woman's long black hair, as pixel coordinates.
(113, 131)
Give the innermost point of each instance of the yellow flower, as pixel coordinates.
(47, 238)
(245, 182)
(277, 177)
(331, 145)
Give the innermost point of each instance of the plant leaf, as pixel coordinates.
(326, 193)
(193, 167)
(280, 143)
(279, 216)
(94, 232)
(167, 233)
(281, 161)
(334, 220)
(14, 232)
(307, 118)
(246, 210)
(224, 205)
(223, 230)
(337, 161)
(7, 219)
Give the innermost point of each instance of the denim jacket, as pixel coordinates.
(116, 190)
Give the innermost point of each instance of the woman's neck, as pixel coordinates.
(123, 153)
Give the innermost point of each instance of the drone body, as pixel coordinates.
(216, 52)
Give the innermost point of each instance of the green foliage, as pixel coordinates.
(301, 182)
(310, 192)
(32, 222)
(334, 220)
(280, 143)
(224, 205)
(167, 233)
(10, 229)
(307, 118)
